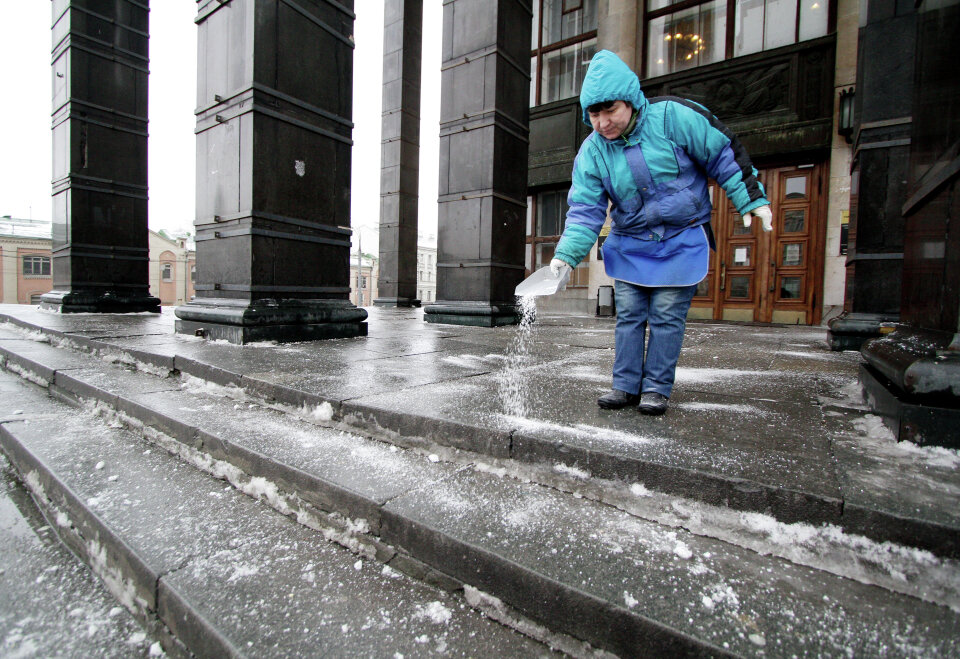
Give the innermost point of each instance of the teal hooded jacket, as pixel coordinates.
(654, 179)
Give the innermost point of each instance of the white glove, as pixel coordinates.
(765, 215)
(559, 268)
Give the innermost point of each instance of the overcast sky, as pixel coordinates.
(25, 135)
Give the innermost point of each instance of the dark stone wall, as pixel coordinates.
(931, 287)
(883, 117)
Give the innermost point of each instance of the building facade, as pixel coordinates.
(772, 71)
(25, 255)
(364, 276)
(426, 274)
(173, 266)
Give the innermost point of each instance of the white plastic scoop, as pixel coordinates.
(542, 282)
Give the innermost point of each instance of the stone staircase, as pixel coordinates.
(235, 522)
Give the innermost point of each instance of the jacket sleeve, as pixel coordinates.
(708, 141)
(587, 201)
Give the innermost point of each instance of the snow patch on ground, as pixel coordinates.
(197, 386)
(580, 430)
(690, 375)
(571, 471)
(873, 427)
(463, 361)
(721, 407)
(435, 612)
(806, 355)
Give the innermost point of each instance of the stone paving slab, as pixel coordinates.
(882, 478)
(341, 380)
(40, 359)
(94, 324)
(708, 444)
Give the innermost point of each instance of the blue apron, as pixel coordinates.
(682, 260)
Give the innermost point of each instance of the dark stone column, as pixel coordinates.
(100, 65)
(912, 376)
(884, 117)
(484, 119)
(400, 152)
(274, 123)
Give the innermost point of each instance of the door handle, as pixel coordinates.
(723, 276)
(773, 276)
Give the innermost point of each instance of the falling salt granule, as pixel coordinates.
(707, 602)
(682, 550)
(358, 565)
(100, 465)
(113, 478)
(433, 457)
(758, 639)
(629, 600)
(137, 638)
(156, 650)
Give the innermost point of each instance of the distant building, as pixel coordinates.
(369, 275)
(173, 265)
(26, 272)
(426, 274)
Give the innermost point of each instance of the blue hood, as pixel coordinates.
(609, 79)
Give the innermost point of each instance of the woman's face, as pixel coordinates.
(612, 122)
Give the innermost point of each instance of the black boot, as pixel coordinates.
(653, 403)
(617, 399)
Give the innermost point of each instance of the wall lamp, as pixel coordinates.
(845, 114)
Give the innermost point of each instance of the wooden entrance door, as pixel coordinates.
(768, 277)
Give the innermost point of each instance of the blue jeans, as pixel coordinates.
(664, 311)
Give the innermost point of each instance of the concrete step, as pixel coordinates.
(52, 604)
(748, 443)
(630, 571)
(212, 572)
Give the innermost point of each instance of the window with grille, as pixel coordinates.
(36, 266)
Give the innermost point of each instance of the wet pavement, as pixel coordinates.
(38, 575)
(762, 418)
(662, 530)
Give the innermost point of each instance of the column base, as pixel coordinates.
(911, 379)
(396, 302)
(108, 302)
(849, 331)
(472, 314)
(284, 321)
